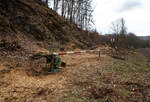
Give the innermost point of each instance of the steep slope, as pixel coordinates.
(27, 27)
(27, 21)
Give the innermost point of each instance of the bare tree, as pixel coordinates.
(118, 39)
(76, 11)
(118, 27)
(45, 2)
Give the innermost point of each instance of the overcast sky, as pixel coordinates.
(135, 12)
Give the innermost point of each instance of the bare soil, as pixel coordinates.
(87, 78)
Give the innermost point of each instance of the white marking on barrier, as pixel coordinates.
(69, 52)
(83, 51)
(76, 52)
(91, 51)
(55, 53)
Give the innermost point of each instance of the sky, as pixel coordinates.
(135, 12)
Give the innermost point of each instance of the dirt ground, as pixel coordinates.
(86, 78)
(17, 85)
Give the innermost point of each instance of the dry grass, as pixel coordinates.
(85, 79)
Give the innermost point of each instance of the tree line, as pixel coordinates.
(120, 38)
(78, 12)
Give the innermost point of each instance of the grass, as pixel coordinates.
(125, 79)
(124, 92)
(133, 71)
(74, 98)
(134, 64)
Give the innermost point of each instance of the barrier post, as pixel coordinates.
(99, 51)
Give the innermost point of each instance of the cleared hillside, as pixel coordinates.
(30, 21)
(27, 27)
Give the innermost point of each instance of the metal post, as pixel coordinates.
(99, 53)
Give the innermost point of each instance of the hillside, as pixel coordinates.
(28, 27)
(31, 23)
